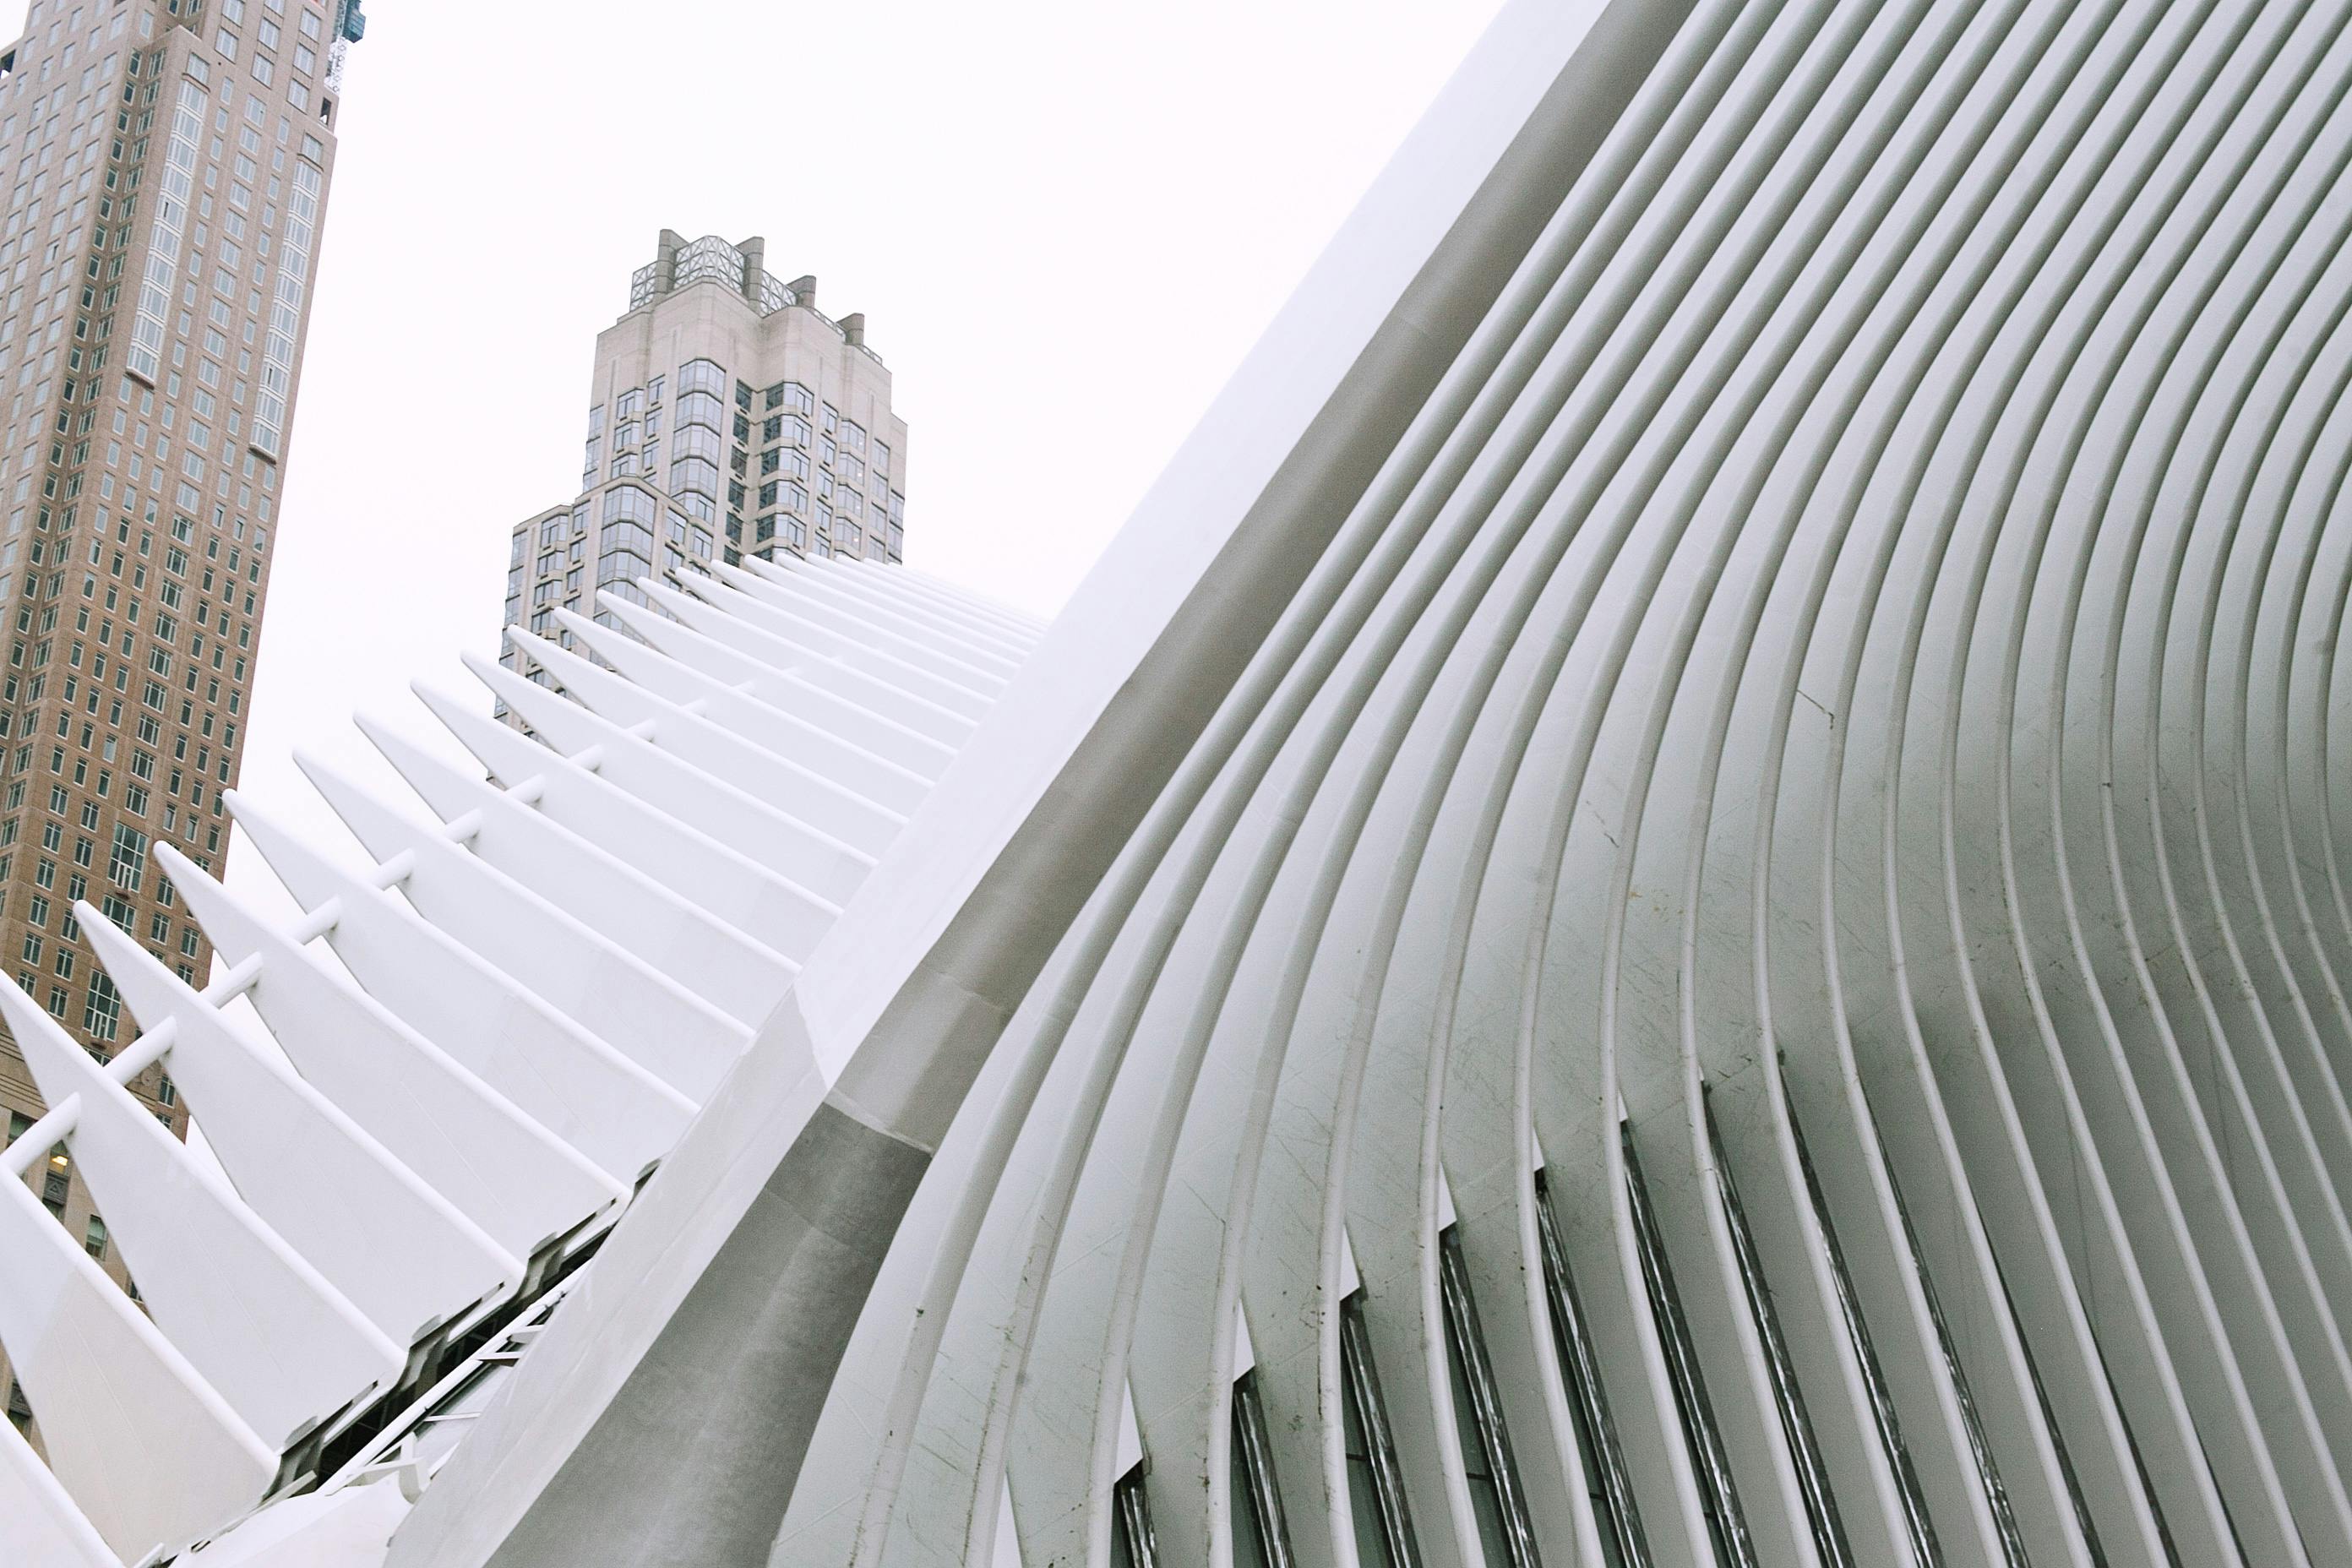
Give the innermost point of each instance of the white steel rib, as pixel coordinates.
(526, 1003)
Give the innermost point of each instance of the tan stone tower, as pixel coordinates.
(728, 418)
(166, 166)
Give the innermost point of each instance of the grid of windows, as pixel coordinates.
(153, 284)
(286, 312)
(145, 356)
(746, 471)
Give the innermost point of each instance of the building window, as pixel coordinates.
(703, 410)
(57, 1176)
(128, 861)
(1496, 1494)
(1606, 1478)
(695, 476)
(1261, 1538)
(94, 1238)
(1710, 1463)
(1873, 1376)
(1132, 1545)
(696, 441)
(1996, 1494)
(1796, 1424)
(1384, 1537)
(628, 502)
(104, 1010)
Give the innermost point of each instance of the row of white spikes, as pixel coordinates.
(578, 954)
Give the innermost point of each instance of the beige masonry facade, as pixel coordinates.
(727, 418)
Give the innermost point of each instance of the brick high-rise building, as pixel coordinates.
(165, 167)
(727, 417)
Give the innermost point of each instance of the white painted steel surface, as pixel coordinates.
(474, 1053)
(1681, 886)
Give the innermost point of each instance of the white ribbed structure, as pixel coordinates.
(1676, 901)
(549, 982)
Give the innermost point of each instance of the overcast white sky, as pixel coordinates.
(1065, 221)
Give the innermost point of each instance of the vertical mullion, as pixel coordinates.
(1717, 1495)
(1262, 1496)
(1924, 1545)
(1467, 1342)
(1788, 1393)
(1364, 1379)
(1604, 1460)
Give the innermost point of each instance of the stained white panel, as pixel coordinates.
(859, 773)
(40, 1525)
(709, 957)
(405, 1256)
(1017, 624)
(948, 722)
(836, 698)
(875, 622)
(342, 1529)
(615, 1113)
(805, 793)
(503, 1168)
(285, 1348)
(705, 871)
(958, 688)
(644, 1016)
(891, 594)
(765, 831)
(147, 1449)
